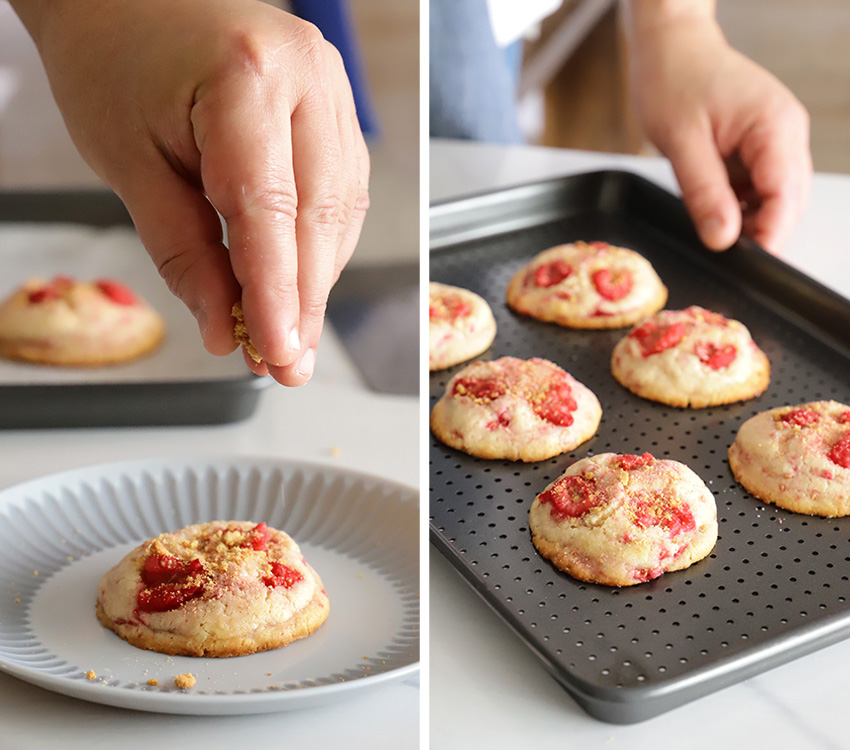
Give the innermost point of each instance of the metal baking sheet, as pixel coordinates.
(89, 235)
(777, 584)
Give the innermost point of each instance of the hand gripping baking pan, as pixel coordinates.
(89, 234)
(777, 584)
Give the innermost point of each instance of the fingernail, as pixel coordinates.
(292, 341)
(203, 322)
(307, 363)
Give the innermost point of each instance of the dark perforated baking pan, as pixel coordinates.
(179, 384)
(777, 585)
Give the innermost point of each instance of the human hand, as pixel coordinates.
(188, 106)
(737, 139)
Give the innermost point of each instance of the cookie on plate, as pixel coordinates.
(623, 519)
(797, 457)
(692, 357)
(68, 322)
(224, 588)
(587, 285)
(460, 325)
(515, 409)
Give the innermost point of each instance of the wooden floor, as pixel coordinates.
(803, 42)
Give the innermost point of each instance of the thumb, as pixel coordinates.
(706, 191)
(182, 233)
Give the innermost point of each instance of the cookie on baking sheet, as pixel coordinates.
(515, 409)
(587, 285)
(623, 519)
(797, 457)
(692, 357)
(224, 588)
(67, 322)
(460, 325)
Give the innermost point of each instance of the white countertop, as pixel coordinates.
(332, 420)
(486, 688)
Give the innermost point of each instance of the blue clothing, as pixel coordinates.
(472, 80)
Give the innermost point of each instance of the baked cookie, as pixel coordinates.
(68, 322)
(691, 357)
(460, 325)
(587, 285)
(520, 410)
(622, 519)
(240, 333)
(797, 457)
(224, 588)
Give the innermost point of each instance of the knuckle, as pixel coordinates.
(311, 44)
(328, 212)
(248, 49)
(175, 268)
(313, 308)
(278, 202)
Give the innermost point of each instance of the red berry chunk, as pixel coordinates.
(52, 290)
(673, 518)
(612, 284)
(844, 417)
(116, 292)
(479, 389)
(448, 307)
(282, 575)
(500, 422)
(167, 596)
(552, 273)
(630, 462)
(654, 338)
(801, 417)
(258, 537)
(597, 245)
(840, 452)
(159, 569)
(716, 357)
(571, 497)
(556, 403)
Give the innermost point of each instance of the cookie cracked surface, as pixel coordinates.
(515, 409)
(224, 588)
(620, 520)
(797, 457)
(587, 285)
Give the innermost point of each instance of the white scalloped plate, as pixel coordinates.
(359, 532)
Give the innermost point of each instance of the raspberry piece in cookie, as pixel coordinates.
(692, 357)
(213, 589)
(619, 520)
(520, 410)
(67, 322)
(460, 325)
(587, 285)
(796, 457)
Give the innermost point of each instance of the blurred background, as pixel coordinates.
(374, 307)
(574, 63)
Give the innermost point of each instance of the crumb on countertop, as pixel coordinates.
(185, 680)
(153, 681)
(335, 450)
(90, 675)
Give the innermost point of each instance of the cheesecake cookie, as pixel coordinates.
(224, 588)
(797, 457)
(691, 357)
(515, 409)
(460, 325)
(623, 519)
(67, 322)
(587, 285)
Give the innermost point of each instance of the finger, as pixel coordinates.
(706, 192)
(779, 163)
(327, 182)
(243, 133)
(182, 234)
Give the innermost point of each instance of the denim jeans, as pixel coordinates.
(473, 81)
